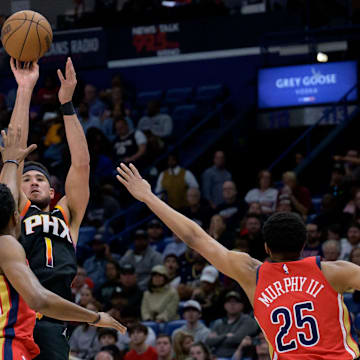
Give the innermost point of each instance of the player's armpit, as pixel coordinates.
(342, 275)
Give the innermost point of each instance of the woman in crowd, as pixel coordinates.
(199, 351)
(171, 262)
(181, 344)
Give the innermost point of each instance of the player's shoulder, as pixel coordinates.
(8, 244)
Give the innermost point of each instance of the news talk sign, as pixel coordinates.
(306, 84)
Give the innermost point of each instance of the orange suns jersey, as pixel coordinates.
(17, 323)
(301, 315)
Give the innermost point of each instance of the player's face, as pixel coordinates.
(37, 188)
(163, 346)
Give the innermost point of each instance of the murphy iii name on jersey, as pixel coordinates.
(50, 224)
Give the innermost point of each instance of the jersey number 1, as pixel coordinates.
(49, 253)
(284, 315)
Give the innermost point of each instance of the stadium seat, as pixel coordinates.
(152, 324)
(171, 326)
(178, 95)
(317, 204)
(145, 96)
(209, 93)
(357, 322)
(182, 118)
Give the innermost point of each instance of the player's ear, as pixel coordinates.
(52, 193)
(267, 250)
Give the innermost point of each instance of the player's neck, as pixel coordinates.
(284, 257)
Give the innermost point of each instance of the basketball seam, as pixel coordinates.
(26, 37)
(15, 31)
(37, 32)
(49, 33)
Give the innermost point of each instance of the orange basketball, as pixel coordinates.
(26, 35)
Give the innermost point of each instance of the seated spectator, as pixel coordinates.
(351, 242)
(199, 351)
(192, 315)
(175, 181)
(331, 250)
(355, 256)
(339, 186)
(129, 287)
(163, 347)
(107, 336)
(208, 294)
(159, 125)
(351, 164)
(299, 195)
(155, 233)
(143, 258)
(218, 230)
(313, 244)
(182, 343)
(104, 355)
(227, 333)
(353, 207)
(95, 105)
(114, 351)
(175, 246)
(139, 349)
(86, 297)
(171, 262)
(264, 194)
(233, 208)
(284, 204)
(81, 280)
(47, 96)
(84, 340)
(128, 146)
(197, 210)
(213, 179)
(160, 303)
(255, 208)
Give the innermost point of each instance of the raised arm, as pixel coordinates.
(239, 266)
(26, 78)
(77, 181)
(13, 264)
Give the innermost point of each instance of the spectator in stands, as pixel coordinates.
(160, 303)
(47, 96)
(284, 204)
(333, 232)
(213, 179)
(197, 210)
(84, 340)
(104, 293)
(107, 336)
(233, 208)
(208, 294)
(163, 347)
(255, 208)
(299, 195)
(139, 349)
(95, 105)
(182, 343)
(95, 266)
(113, 350)
(128, 146)
(331, 250)
(155, 233)
(264, 194)
(218, 230)
(86, 297)
(104, 355)
(313, 242)
(171, 262)
(351, 163)
(351, 242)
(227, 333)
(199, 351)
(338, 186)
(354, 256)
(80, 281)
(129, 287)
(174, 246)
(175, 181)
(353, 207)
(143, 258)
(192, 315)
(159, 125)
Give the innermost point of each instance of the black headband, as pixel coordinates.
(36, 168)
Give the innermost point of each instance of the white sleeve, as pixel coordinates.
(167, 126)
(191, 180)
(140, 137)
(159, 187)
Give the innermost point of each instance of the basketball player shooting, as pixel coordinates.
(298, 303)
(20, 290)
(49, 236)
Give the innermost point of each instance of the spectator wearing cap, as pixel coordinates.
(129, 287)
(171, 263)
(139, 349)
(155, 233)
(143, 258)
(227, 333)
(208, 294)
(95, 266)
(160, 303)
(174, 246)
(213, 179)
(192, 315)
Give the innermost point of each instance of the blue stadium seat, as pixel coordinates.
(209, 93)
(171, 326)
(357, 322)
(83, 247)
(164, 110)
(178, 95)
(182, 118)
(352, 306)
(145, 96)
(152, 324)
(317, 204)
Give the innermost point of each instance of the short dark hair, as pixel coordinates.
(138, 327)
(163, 335)
(354, 225)
(285, 232)
(108, 331)
(7, 206)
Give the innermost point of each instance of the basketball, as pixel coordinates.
(26, 35)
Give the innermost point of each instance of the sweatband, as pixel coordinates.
(36, 168)
(67, 108)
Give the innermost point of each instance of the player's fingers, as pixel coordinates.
(4, 136)
(18, 64)
(29, 150)
(119, 327)
(68, 69)
(60, 75)
(135, 171)
(123, 174)
(122, 180)
(126, 170)
(12, 64)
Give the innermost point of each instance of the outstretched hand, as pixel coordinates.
(68, 83)
(27, 75)
(129, 176)
(109, 322)
(12, 149)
